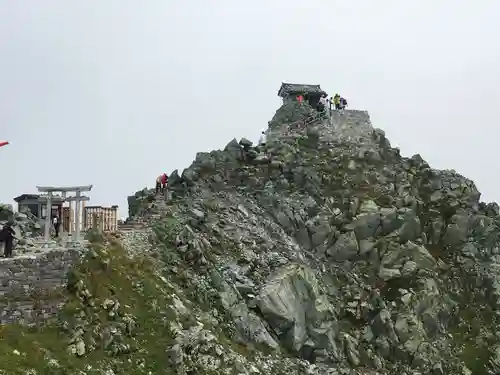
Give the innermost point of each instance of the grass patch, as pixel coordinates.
(474, 326)
(470, 336)
(130, 337)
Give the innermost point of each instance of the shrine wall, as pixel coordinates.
(30, 285)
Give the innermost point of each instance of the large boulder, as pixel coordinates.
(294, 307)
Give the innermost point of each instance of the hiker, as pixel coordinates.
(322, 103)
(262, 142)
(331, 105)
(158, 184)
(336, 102)
(300, 98)
(57, 224)
(263, 139)
(343, 104)
(7, 235)
(164, 181)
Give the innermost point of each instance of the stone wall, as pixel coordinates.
(352, 126)
(30, 284)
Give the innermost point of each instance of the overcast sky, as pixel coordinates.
(114, 92)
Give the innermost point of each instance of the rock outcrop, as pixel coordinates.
(333, 248)
(324, 252)
(27, 227)
(25, 224)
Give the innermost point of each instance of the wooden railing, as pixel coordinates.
(303, 123)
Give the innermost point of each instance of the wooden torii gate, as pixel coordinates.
(78, 199)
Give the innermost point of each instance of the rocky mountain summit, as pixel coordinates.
(331, 253)
(325, 252)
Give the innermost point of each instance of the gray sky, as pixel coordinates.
(113, 92)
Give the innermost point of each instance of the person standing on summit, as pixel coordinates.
(323, 101)
(343, 104)
(336, 101)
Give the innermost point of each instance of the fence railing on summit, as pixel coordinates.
(303, 123)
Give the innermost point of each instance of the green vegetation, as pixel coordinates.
(471, 338)
(139, 322)
(473, 329)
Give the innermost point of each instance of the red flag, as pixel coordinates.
(3, 143)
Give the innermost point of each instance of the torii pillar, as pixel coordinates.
(79, 200)
(48, 216)
(61, 214)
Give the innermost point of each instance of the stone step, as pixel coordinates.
(130, 227)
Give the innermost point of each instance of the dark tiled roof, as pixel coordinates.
(24, 197)
(293, 88)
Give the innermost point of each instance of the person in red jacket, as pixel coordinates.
(164, 182)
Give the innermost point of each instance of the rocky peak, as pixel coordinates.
(324, 252)
(333, 248)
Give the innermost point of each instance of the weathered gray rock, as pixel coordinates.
(331, 247)
(292, 304)
(400, 256)
(245, 143)
(389, 273)
(345, 248)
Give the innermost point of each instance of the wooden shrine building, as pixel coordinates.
(290, 91)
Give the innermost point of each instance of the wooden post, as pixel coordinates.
(61, 214)
(84, 216)
(78, 199)
(77, 216)
(48, 217)
(94, 222)
(71, 219)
